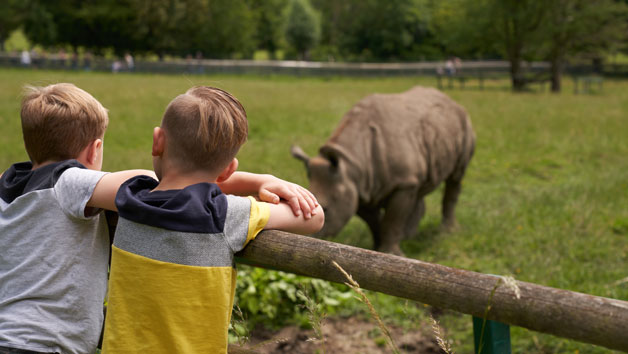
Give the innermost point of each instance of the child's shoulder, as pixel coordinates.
(66, 178)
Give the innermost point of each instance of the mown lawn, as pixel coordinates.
(544, 200)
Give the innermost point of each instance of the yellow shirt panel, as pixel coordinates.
(159, 307)
(260, 213)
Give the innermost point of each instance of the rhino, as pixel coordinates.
(388, 152)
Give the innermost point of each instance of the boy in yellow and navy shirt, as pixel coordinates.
(173, 274)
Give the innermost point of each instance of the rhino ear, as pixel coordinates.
(298, 153)
(330, 154)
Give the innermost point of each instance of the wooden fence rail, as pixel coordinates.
(586, 318)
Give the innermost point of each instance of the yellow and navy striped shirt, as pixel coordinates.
(172, 279)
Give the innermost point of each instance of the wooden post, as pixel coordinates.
(586, 318)
(493, 336)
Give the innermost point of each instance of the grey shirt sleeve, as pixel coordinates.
(237, 222)
(74, 189)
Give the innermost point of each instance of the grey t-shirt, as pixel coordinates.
(53, 259)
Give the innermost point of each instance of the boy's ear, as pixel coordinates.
(96, 149)
(159, 141)
(227, 171)
(90, 154)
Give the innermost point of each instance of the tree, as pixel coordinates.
(93, 24)
(577, 27)
(303, 27)
(10, 19)
(159, 25)
(268, 17)
(108, 24)
(383, 30)
(509, 27)
(227, 29)
(39, 23)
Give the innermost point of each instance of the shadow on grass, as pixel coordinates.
(427, 234)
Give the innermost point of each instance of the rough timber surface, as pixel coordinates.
(586, 318)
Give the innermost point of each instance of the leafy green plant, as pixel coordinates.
(276, 298)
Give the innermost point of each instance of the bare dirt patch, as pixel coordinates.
(342, 335)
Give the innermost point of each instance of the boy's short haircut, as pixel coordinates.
(205, 128)
(60, 120)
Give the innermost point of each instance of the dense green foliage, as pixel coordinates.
(9, 20)
(277, 298)
(518, 30)
(365, 30)
(557, 31)
(545, 198)
(302, 27)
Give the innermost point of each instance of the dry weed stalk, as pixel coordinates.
(356, 287)
(511, 284)
(620, 281)
(442, 343)
(243, 339)
(315, 318)
(240, 319)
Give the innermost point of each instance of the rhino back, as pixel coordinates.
(415, 138)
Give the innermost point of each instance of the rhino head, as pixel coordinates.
(330, 182)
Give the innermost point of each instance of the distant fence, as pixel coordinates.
(586, 318)
(484, 69)
(265, 67)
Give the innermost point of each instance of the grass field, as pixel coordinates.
(544, 200)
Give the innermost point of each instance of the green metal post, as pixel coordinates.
(496, 338)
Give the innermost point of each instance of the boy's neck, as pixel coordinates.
(177, 180)
(37, 165)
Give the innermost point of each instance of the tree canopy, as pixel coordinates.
(351, 30)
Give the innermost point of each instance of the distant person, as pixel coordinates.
(189, 63)
(199, 62)
(25, 58)
(63, 58)
(87, 61)
(74, 61)
(458, 65)
(116, 66)
(172, 279)
(54, 239)
(450, 67)
(130, 64)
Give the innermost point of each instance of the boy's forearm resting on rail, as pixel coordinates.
(104, 194)
(282, 218)
(271, 189)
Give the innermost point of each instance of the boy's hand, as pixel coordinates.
(300, 199)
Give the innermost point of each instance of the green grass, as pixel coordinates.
(545, 198)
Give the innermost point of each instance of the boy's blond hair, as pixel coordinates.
(60, 120)
(205, 128)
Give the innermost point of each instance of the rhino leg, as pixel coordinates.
(399, 208)
(373, 218)
(450, 198)
(415, 217)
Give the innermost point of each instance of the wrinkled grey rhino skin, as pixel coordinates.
(389, 151)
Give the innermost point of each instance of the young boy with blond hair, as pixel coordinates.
(172, 281)
(54, 240)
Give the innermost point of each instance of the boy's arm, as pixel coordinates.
(282, 218)
(271, 189)
(104, 195)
